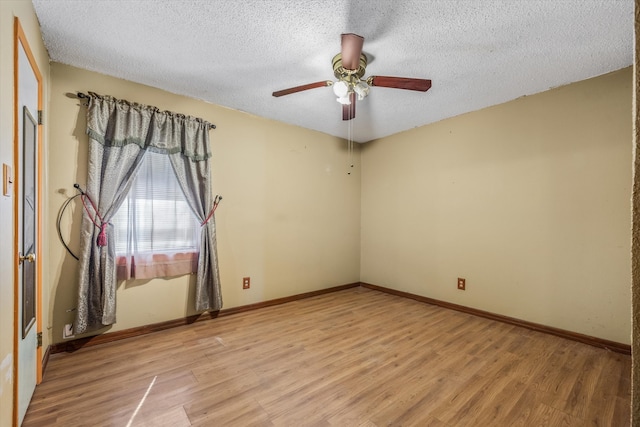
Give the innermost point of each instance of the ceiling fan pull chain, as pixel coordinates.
(348, 155)
(351, 139)
(349, 146)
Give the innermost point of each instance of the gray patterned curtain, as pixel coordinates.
(120, 133)
(194, 180)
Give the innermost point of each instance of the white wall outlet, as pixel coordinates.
(68, 331)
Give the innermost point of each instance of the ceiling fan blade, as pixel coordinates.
(349, 110)
(421, 85)
(291, 90)
(351, 51)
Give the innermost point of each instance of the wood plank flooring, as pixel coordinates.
(357, 357)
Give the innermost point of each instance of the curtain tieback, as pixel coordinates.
(216, 201)
(102, 236)
(102, 225)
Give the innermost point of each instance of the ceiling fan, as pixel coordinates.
(349, 67)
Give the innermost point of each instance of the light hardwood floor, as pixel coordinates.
(357, 357)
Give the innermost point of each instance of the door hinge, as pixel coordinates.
(39, 339)
(39, 117)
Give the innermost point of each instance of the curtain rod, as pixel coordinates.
(85, 96)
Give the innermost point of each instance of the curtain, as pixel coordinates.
(195, 183)
(120, 134)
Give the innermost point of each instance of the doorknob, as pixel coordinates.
(31, 257)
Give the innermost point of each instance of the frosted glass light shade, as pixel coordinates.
(362, 89)
(341, 89)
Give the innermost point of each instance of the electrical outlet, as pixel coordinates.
(246, 282)
(68, 331)
(461, 284)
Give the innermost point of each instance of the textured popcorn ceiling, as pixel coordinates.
(236, 53)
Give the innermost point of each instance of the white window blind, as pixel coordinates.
(155, 218)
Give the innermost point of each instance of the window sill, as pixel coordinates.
(149, 266)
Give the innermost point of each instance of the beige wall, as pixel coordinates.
(24, 11)
(290, 217)
(528, 200)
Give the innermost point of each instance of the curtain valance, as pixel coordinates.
(115, 123)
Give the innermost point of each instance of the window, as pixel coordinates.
(157, 234)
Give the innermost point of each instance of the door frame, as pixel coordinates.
(20, 39)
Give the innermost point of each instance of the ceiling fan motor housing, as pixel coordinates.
(349, 76)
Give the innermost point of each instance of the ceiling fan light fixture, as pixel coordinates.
(341, 89)
(361, 89)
